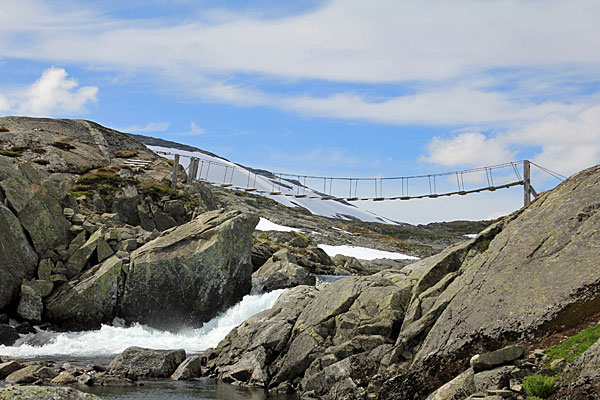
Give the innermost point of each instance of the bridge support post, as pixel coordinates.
(526, 182)
(175, 170)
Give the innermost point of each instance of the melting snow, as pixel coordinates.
(364, 253)
(266, 225)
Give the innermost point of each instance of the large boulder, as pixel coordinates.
(280, 272)
(138, 362)
(191, 273)
(18, 260)
(527, 277)
(90, 302)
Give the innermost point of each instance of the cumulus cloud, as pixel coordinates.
(54, 93)
(4, 103)
(567, 143)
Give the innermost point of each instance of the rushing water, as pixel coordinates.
(100, 346)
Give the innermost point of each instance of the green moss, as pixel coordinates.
(9, 153)
(575, 345)
(157, 191)
(539, 385)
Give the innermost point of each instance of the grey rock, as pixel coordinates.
(8, 335)
(279, 272)
(189, 369)
(138, 362)
(191, 273)
(9, 367)
(18, 259)
(481, 362)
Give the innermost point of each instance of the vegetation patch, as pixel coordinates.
(125, 153)
(540, 386)
(103, 181)
(10, 153)
(39, 150)
(575, 345)
(41, 161)
(4, 129)
(156, 191)
(63, 145)
(18, 149)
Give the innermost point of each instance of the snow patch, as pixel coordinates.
(364, 253)
(471, 235)
(266, 225)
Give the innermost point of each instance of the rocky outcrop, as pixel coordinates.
(536, 270)
(403, 334)
(279, 272)
(8, 335)
(138, 362)
(190, 274)
(314, 337)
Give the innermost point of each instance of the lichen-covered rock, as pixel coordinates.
(8, 367)
(87, 304)
(18, 260)
(191, 273)
(138, 362)
(38, 210)
(44, 393)
(280, 272)
(32, 293)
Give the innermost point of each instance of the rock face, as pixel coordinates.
(280, 272)
(18, 260)
(8, 335)
(191, 273)
(536, 270)
(137, 362)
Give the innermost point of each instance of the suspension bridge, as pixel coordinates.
(223, 173)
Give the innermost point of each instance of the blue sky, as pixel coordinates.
(337, 88)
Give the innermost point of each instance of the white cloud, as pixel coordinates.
(4, 103)
(53, 93)
(194, 130)
(471, 148)
(565, 143)
(149, 127)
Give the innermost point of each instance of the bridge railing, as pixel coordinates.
(463, 182)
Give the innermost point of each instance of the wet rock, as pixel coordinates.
(8, 335)
(138, 362)
(64, 378)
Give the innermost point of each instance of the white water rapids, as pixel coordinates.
(111, 340)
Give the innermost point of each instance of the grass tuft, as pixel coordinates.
(575, 345)
(539, 385)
